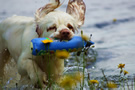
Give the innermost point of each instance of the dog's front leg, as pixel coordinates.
(27, 66)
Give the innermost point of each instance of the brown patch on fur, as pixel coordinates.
(39, 31)
(77, 9)
(41, 12)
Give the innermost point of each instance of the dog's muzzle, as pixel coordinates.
(65, 34)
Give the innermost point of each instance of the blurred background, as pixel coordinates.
(111, 23)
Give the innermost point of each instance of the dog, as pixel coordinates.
(16, 33)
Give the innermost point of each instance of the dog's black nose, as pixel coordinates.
(65, 34)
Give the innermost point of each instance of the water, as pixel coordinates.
(114, 41)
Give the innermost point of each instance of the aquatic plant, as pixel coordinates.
(125, 72)
(111, 85)
(70, 81)
(121, 65)
(93, 81)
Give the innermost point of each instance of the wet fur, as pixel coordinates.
(16, 32)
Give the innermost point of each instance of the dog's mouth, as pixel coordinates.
(62, 39)
(65, 38)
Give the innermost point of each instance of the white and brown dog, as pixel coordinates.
(16, 33)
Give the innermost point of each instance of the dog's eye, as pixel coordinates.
(52, 28)
(70, 27)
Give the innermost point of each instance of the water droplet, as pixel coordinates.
(67, 60)
(93, 67)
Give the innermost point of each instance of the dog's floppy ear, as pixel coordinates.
(41, 12)
(77, 9)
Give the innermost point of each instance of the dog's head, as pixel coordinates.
(58, 24)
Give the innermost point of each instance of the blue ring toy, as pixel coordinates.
(76, 43)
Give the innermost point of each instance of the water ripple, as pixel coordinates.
(109, 23)
(118, 21)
